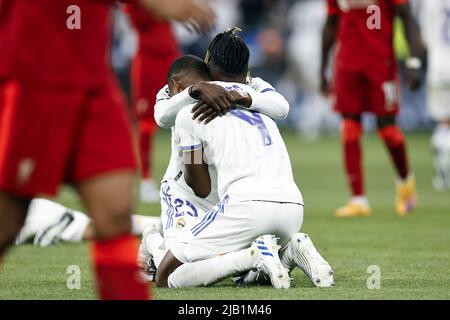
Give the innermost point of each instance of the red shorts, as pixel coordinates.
(356, 92)
(48, 136)
(148, 76)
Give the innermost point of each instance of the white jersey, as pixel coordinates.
(435, 23)
(264, 99)
(168, 108)
(246, 148)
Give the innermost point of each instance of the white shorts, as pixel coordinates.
(180, 209)
(233, 225)
(439, 103)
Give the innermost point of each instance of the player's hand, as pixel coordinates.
(413, 78)
(215, 97)
(197, 16)
(204, 113)
(241, 98)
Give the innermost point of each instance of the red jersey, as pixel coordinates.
(37, 45)
(155, 35)
(361, 46)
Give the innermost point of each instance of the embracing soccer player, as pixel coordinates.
(180, 208)
(227, 60)
(366, 80)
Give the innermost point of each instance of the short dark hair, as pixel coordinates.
(187, 63)
(228, 53)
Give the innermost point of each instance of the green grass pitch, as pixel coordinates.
(413, 253)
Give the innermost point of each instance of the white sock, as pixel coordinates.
(75, 230)
(209, 271)
(138, 223)
(361, 200)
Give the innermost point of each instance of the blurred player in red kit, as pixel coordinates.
(63, 119)
(157, 50)
(366, 80)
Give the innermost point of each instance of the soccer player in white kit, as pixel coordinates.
(194, 274)
(255, 184)
(180, 208)
(214, 248)
(177, 199)
(266, 100)
(435, 20)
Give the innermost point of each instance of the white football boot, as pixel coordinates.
(308, 259)
(52, 234)
(269, 262)
(251, 278)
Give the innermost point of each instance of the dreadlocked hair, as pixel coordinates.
(229, 53)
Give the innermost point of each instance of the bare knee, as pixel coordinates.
(109, 201)
(168, 265)
(110, 222)
(161, 278)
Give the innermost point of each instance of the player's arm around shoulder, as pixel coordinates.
(265, 99)
(167, 107)
(196, 173)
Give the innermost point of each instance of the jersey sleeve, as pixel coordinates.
(185, 131)
(166, 107)
(332, 7)
(260, 85)
(267, 100)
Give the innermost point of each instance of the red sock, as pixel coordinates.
(395, 142)
(351, 134)
(118, 277)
